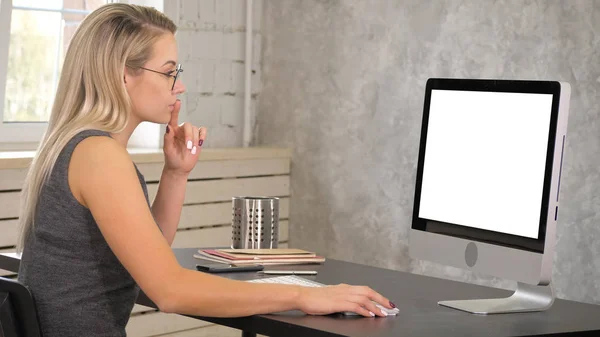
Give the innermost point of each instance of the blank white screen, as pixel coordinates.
(485, 159)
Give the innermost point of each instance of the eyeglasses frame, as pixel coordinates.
(177, 71)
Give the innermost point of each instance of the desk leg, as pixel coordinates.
(248, 334)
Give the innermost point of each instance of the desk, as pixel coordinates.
(415, 295)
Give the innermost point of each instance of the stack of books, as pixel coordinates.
(275, 256)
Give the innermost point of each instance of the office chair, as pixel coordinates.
(18, 315)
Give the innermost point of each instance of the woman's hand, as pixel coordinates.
(340, 298)
(182, 144)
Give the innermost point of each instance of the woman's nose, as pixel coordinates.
(179, 87)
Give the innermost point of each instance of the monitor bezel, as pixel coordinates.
(476, 234)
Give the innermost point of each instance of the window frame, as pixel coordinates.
(27, 135)
(13, 132)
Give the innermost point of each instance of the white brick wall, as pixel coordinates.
(211, 38)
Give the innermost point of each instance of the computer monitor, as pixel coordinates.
(488, 180)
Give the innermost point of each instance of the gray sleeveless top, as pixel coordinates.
(79, 286)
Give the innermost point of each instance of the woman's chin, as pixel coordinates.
(159, 120)
(164, 118)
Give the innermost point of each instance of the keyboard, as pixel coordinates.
(300, 281)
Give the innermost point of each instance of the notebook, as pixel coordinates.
(259, 256)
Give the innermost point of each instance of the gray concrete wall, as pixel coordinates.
(343, 86)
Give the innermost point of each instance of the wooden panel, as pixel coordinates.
(8, 233)
(211, 154)
(15, 159)
(197, 191)
(157, 323)
(5, 273)
(215, 236)
(224, 189)
(224, 168)
(9, 204)
(218, 214)
(141, 308)
(207, 331)
(12, 179)
(22, 159)
(192, 216)
(204, 237)
(207, 212)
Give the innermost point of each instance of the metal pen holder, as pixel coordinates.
(255, 222)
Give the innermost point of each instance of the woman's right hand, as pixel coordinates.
(340, 298)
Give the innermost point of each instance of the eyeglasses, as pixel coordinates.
(169, 74)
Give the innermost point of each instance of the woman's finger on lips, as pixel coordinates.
(201, 135)
(195, 138)
(188, 136)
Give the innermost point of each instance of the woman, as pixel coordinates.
(89, 235)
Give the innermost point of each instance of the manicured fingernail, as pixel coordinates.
(372, 314)
(189, 144)
(200, 142)
(167, 129)
(383, 312)
(392, 304)
(194, 150)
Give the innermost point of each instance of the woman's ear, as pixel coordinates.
(128, 78)
(126, 75)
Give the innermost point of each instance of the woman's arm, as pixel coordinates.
(182, 144)
(103, 178)
(168, 202)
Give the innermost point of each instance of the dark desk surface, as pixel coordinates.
(416, 296)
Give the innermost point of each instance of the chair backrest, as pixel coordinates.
(18, 315)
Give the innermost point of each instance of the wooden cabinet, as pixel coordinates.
(205, 221)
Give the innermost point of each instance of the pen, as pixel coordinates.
(288, 272)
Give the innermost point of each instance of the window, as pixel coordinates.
(34, 35)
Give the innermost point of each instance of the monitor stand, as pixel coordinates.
(526, 298)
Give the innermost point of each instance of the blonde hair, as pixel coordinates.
(91, 92)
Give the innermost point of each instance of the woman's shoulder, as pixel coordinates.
(73, 141)
(97, 162)
(98, 150)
